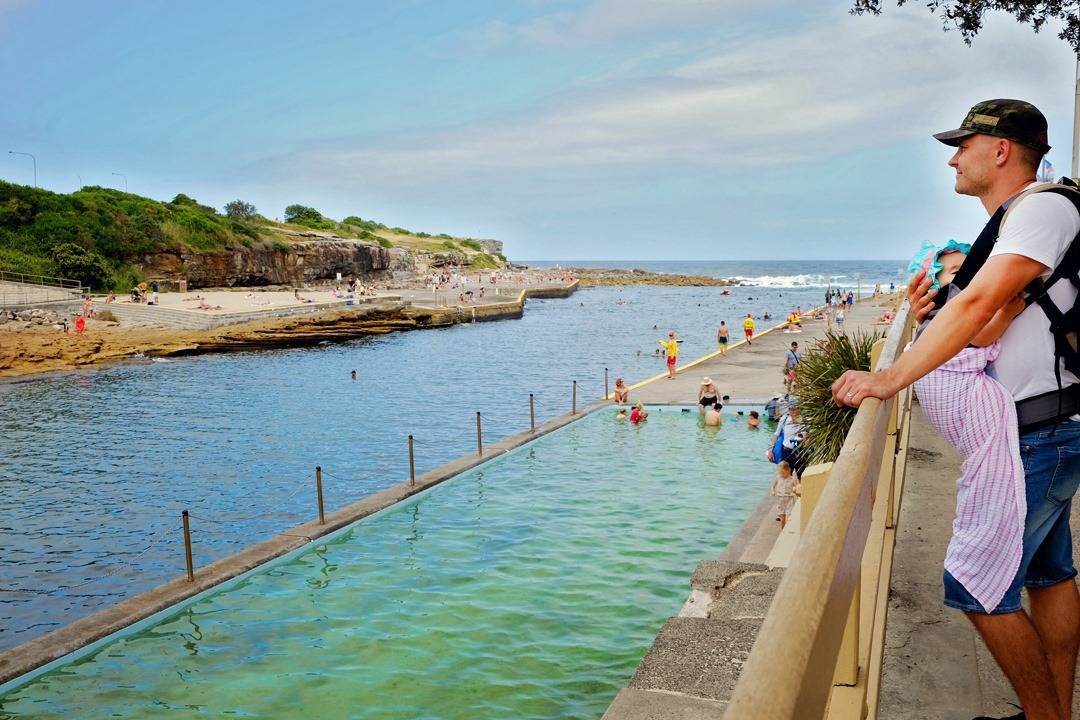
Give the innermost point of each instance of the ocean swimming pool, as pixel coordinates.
(528, 587)
(97, 465)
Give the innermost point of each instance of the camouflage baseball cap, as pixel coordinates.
(1010, 119)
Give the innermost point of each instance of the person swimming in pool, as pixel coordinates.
(712, 415)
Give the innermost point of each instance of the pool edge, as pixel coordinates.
(18, 664)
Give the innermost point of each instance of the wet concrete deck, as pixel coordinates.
(751, 372)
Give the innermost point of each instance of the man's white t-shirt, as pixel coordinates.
(1041, 227)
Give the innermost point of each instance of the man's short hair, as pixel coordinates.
(1029, 157)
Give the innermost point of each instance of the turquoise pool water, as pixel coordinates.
(529, 587)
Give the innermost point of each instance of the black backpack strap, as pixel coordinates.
(1069, 267)
(976, 258)
(980, 250)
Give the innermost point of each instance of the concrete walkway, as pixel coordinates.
(936, 666)
(752, 373)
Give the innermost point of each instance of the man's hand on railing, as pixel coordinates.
(920, 296)
(854, 386)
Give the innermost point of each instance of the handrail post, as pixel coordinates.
(412, 463)
(318, 491)
(187, 547)
(573, 399)
(605, 383)
(532, 414)
(479, 437)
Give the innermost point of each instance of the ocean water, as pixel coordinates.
(97, 465)
(845, 274)
(528, 587)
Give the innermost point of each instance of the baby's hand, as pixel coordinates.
(920, 296)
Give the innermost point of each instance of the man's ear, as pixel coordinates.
(1002, 152)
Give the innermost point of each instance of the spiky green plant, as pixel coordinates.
(827, 424)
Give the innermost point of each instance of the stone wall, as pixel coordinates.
(302, 263)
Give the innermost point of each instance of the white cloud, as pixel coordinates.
(606, 20)
(800, 97)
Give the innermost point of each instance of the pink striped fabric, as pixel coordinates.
(976, 414)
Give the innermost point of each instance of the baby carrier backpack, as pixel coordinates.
(1052, 407)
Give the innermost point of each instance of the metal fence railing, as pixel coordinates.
(18, 289)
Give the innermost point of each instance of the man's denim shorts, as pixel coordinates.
(1051, 458)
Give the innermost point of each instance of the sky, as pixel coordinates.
(569, 129)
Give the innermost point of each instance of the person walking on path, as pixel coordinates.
(1000, 146)
(791, 359)
(748, 328)
(722, 337)
(783, 489)
(671, 352)
(789, 434)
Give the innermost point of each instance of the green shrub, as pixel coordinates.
(240, 210)
(383, 241)
(471, 244)
(12, 260)
(827, 424)
(279, 245)
(77, 263)
(450, 245)
(308, 217)
(482, 261)
(369, 225)
(122, 279)
(105, 316)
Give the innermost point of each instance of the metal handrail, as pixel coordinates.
(21, 289)
(789, 673)
(25, 279)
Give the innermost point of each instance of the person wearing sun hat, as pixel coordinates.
(707, 395)
(999, 149)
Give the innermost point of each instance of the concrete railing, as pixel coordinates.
(819, 650)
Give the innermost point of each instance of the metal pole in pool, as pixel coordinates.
(412, 462)
(605, 384)
(479, 441)
(573, 400)
(187, 547)
(532, 414)
(318, 491)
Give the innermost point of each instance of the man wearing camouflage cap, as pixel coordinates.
(999, 148)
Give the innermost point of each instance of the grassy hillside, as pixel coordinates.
(98, 235)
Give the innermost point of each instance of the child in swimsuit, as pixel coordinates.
(783, 488)
(976, 414)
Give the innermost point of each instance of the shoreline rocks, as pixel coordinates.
(602, 277)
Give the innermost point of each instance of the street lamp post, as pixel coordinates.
(125, 179)
(16, 152)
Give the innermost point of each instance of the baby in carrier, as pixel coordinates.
(976, 414)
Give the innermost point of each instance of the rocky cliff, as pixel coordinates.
(301, 263)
